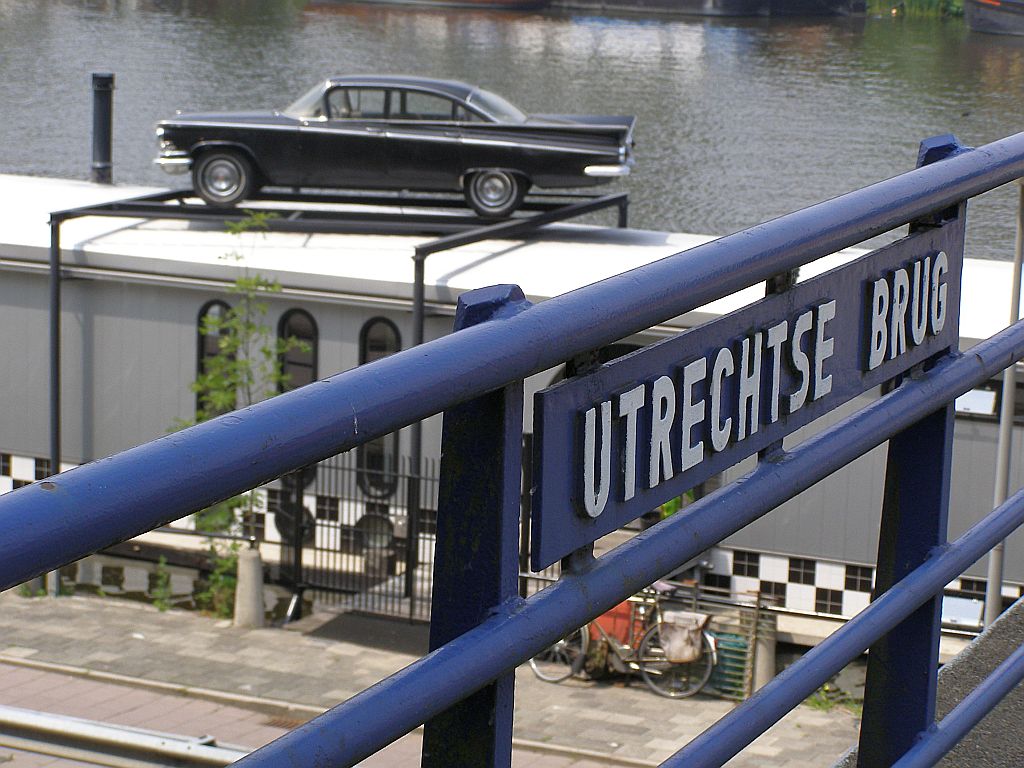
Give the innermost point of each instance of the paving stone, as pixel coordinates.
(189, 649)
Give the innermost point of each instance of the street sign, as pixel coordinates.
(644, 428)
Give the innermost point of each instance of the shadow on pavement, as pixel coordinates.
(377, 632)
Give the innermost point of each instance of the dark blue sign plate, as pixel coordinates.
(645, 428)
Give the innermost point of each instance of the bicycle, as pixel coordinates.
(661, 645)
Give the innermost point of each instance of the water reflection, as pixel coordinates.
(739, 120)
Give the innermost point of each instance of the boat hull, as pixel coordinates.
(723, 7)
(998, 17)
(483, 5)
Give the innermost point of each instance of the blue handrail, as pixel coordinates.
(65, 517)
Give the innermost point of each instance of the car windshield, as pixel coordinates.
(309, 104)
(496, 107)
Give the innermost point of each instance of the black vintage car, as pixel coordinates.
(392, 132)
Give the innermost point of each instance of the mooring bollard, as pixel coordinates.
(249, 589)
(102, 131)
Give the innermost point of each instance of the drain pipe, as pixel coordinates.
(994, 584)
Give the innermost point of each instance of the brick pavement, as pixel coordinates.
(187, 654)
(234, 726)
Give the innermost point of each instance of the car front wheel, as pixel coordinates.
(222, 178)
(495, 194)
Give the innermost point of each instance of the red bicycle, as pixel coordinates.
(670, 649)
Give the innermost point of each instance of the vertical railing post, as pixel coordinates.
(899, 696)
(476, 562)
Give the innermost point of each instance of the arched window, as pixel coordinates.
(377, 461)
(298, 363)
(210, 327)
(378, 338)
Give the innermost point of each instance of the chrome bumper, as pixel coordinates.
(607, 170)
(176, 163)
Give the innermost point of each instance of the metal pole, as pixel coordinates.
(412, 543)
(993, 587)
(102, 132)
(53, 579)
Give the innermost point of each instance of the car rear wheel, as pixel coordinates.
(495, 194)
(223, 178)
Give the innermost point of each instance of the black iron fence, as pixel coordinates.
(358, 550)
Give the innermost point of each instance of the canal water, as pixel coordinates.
(739, 120)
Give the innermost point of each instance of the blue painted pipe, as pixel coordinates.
(968, 713)
(355, 729)
(45, 525)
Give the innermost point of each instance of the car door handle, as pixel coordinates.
(374, 129)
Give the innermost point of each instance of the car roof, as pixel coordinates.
(453, 88)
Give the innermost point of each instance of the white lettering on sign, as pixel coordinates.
(630, 404)
(693, 413)
(696, 406)
(672, 422)
(663, 413)
(914, 297)
(595, 490)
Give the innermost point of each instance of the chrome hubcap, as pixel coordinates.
(494, 189)
(222, 177)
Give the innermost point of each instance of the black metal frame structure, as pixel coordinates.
(443, 214)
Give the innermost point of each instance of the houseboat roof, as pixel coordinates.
(377, 269)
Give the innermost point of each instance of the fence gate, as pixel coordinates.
(356, 551)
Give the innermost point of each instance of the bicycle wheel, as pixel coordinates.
(563, 659)
(665, 678)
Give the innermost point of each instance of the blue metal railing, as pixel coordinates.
(63, 518)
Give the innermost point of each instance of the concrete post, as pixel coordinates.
(249, 590)
(764, 649)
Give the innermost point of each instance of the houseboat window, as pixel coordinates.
(801, 571)
(377, 461)
(298, 364)
(858, 578)
(774, 592)
(746, 564)
(211, 328)
(828, 600)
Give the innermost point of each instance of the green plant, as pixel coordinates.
(247, 365)
(829, 696)
(217, 595)
(672, 506)
(161, 592)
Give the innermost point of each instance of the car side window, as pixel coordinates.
(464, 115)
(364, 103)
(414, 105)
